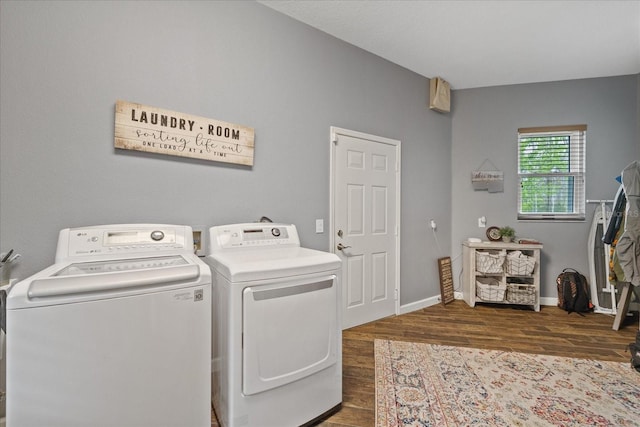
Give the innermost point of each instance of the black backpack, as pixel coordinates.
(573, 292)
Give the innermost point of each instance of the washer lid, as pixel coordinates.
(64, 283)
(263, 264)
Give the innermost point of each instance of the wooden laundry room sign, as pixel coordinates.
(155, 130)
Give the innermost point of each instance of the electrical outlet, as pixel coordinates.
(482, 222)
(433, 225)
(199, 237)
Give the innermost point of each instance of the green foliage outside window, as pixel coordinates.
(546, 187)
(551, 170)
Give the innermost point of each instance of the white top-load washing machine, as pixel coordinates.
(277, 339)
(116, 333)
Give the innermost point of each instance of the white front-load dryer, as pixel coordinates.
(277, 340)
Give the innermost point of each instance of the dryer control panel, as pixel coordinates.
(122, 240)
(252, 235)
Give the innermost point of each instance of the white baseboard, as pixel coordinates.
(428, 302)
(634, 306)
(549, 301)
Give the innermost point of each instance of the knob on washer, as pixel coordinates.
(275, 232)
(157, 235)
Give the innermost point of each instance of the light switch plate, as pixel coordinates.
(319, 226)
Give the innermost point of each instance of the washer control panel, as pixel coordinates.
(252, 235)
(122, 240)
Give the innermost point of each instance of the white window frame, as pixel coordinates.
(577, 170)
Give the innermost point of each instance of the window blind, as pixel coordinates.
(551, 170)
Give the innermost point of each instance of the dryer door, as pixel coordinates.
(290, 331)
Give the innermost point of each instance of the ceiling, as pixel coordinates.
(485, 43)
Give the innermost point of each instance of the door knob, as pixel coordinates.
(341, 246)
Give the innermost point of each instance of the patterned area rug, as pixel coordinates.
(435, 385)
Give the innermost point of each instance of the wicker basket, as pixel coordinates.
(489, 262)
(518, 293)
(488, 289)
(518, 264)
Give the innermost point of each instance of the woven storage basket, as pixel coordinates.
(518, 293)
(488, 262)
(520, 265)
(488, 289)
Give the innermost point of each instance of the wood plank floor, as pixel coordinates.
(500, 327)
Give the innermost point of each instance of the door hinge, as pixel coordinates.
(395, 294)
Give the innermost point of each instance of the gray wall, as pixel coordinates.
(638, 119)
(64, 64)
(484, 126)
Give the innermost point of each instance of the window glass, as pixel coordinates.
(551, 171)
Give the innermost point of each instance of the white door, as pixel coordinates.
(366, 223)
